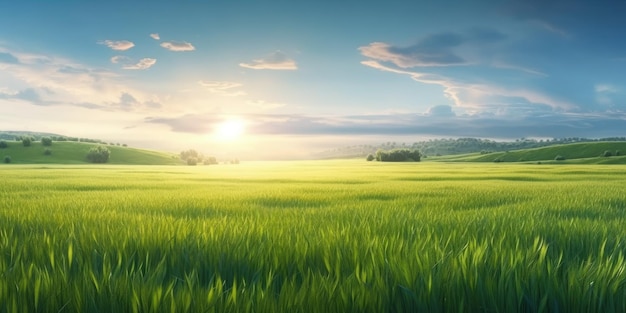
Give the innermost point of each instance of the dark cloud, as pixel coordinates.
(440, 111)
(439, 49)
(8, 58)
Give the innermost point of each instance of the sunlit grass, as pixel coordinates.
(322, 236)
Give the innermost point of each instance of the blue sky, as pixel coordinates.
(305, 76)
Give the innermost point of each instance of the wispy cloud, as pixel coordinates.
(143, 64)
(120, 45)
(8, 58)
(504, 65)
(119, 59)
(177, 46)
(223, 88)
(275, 61)
(264, 105)
(477, 97)
(155, 36)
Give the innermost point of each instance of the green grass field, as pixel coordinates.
(75, 153)
(574, 153)
(313, 236)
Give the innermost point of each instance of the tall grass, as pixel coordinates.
(325, 236)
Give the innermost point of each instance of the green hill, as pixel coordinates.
(75, 153)
(583, 153)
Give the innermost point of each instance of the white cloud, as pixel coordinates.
(155, 36)
(143, 64)
(46, 80)
(119, 59)
(222, 88)
(275, 61)
(177, 46)
(121, 45)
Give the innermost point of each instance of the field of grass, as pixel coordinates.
(313, 236)
(578, 153)
(75, 153)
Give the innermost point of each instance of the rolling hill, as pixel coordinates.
(65, 152)
(583, 153)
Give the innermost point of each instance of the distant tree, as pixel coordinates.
(617, 153)
(192, 161)
(191, 153)
(26, 142)
(47, 151)
(7, 159)
(559, 158)
(607, 154)
(46, 141)
(98, 154)
(370, 157)
(210, 160)
(398, 155)
(124, 145)
(3, 144)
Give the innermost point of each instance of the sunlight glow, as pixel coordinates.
(230, 129)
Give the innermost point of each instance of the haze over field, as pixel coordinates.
(287, 78)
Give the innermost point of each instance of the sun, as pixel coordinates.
(230, 129)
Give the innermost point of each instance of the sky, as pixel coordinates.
(284, 79)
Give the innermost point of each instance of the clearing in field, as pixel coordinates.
(319, 236)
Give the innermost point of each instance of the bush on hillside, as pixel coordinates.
(47, 151)
(3, 144)
(46, 141)
(617, 153)
(210, 160)
(7, 159)
(26, 142)
(398, 155)
(98, 154)
(559, 158)
(607, 154)
(192, 161)
(370, 157)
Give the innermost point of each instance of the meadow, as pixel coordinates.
(313, 236)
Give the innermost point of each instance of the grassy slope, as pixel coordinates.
(75, 152)
(583, 153)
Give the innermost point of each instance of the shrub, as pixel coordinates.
(3, 144)
(26, 142)
(47, 151)
(46, 141)
(398, 155)
(617, 153)
(7, 159)
(210, 160)
(559, 158)
(607, 154)
(192, 161)
(370, 157)
(98, 154)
